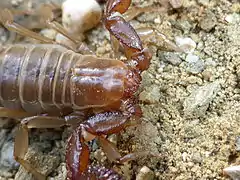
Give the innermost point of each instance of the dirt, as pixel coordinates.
(190, 101)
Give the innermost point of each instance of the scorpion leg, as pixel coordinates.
(47, 13)
(136, 11)
(4, 112)
(98, 126)
(6, 18)
(153, 36)
(21, 139)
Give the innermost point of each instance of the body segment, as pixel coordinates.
(45, 78)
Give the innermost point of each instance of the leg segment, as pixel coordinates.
(98, 126)
(153, 36)
(6, 18)
(47, 13)
(4, 112)
(21, 139)
(136, 11)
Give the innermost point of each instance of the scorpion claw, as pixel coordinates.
(77, 155)
(125, 34)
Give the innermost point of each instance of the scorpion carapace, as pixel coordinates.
(50, 78)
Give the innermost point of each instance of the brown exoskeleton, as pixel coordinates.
(51, 85)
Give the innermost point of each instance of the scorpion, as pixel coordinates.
(50, 85)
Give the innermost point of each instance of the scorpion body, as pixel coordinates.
(47, 79)
(50, 82)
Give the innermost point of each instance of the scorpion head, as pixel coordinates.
(99, 82)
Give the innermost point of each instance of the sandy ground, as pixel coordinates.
(191, 100)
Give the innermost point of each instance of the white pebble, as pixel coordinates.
(232, 18)
(186, 44)
(233, 172)
(145, 173)
(80, 15)
(49, 33)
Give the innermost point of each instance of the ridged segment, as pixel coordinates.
(11, 62)
(29, 79)
(52, 79)
(36, 78)
(45, 83)
(62, 76)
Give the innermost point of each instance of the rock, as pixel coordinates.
(236, 7)
(3, 134)
(176, 3)
(7, 160)
(232, 18)
(151, 95)
(233, 172)
(184, 25)
(79, 16)
(49, 33)
(145, 174)
(171, 57)
(237, 143)
(198, 101)
(185, 44)
(195, 65)
(208, 22)
(206, 74)
(196, 157)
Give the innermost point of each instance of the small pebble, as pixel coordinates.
(196, 157)
(207, 75)
(99, 155)
(233, 18)
(151, 95)
(16, 2)
(172, 58)
(233, 172)
(195, 65)
(49, 33)
(198, 102)
(145, 174)
(237, 143)
(186, 44)
(80, 15)
(7, 159)
(203, 2)
(176, 3)
(113, 138)
(208, 22)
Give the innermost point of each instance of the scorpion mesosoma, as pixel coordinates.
(50, 86)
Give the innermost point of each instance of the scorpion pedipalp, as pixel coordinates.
(126, 34)
(77, 155)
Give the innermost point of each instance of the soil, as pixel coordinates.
(190, 100)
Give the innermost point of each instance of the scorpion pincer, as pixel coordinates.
(49, 85)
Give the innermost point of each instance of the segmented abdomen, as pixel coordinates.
(36, 78)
